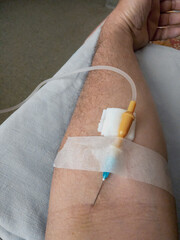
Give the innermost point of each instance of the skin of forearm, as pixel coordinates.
(132, 210)
(104, 89)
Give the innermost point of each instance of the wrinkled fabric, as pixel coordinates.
(30, 137)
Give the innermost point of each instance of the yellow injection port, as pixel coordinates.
(127, 119)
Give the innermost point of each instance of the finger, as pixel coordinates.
(169, 19)
(166, 33)
(168, 5)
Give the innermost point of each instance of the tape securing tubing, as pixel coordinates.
(133, 161)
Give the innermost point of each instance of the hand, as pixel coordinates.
(147, 20)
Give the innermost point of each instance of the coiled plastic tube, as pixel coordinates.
(86, 69)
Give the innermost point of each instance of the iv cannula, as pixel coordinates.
(104, 176)
(126, 122)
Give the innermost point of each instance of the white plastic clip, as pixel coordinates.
(110, 121)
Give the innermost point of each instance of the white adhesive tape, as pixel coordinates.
(129, 161)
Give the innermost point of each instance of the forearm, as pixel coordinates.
(73, 192)
(104, 89)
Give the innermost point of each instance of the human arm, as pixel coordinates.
(126, 209)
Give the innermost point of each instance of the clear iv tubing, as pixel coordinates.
(86, 69)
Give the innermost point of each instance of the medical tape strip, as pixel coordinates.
(133, 161)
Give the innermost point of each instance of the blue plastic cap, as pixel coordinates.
(105, 175)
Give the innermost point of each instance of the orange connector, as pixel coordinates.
(126, 121)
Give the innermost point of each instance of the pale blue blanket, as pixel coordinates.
(30, 138)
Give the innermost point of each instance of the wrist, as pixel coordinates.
(115, 29)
